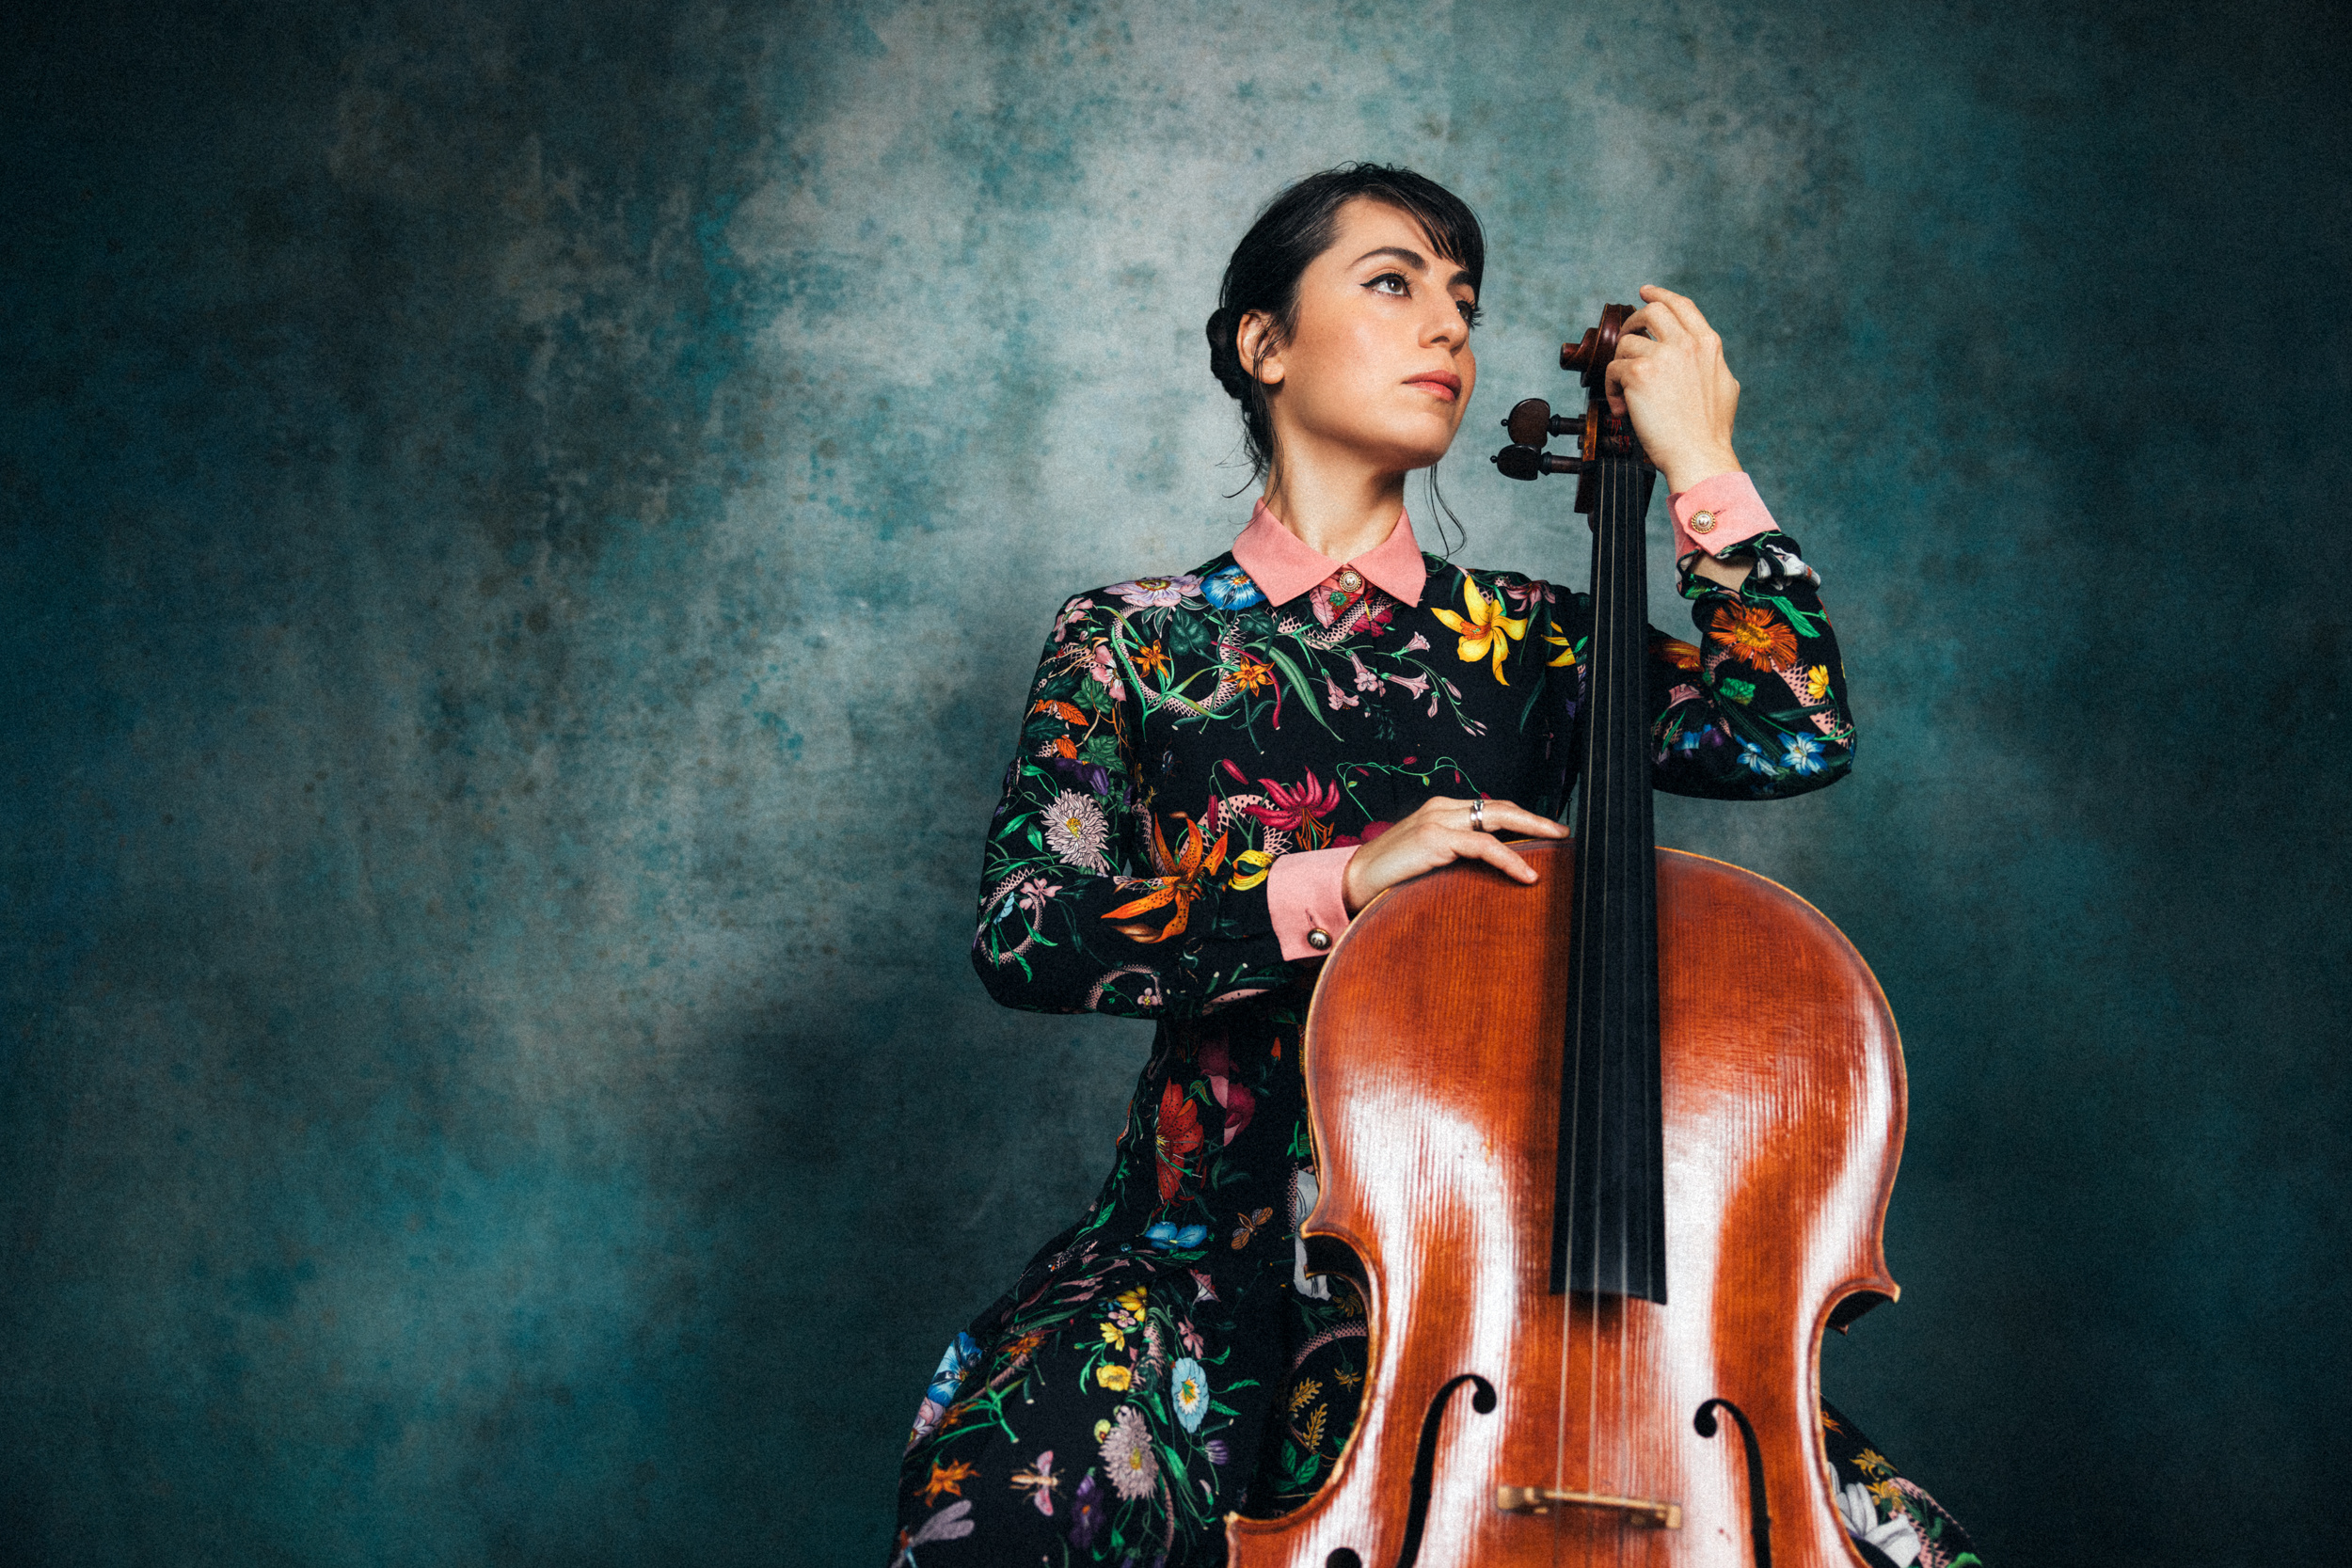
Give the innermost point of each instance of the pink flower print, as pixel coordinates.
(1681, 694)
(1334, 698)
(1418, 644)
(1299, 810)
(1217, 1065)
(1105, 669)
(1417, 684)
(1072, 612)
(1365, 679)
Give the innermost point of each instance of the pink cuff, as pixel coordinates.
(1716, 514)
(1303, 893)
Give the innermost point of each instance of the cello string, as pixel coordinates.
(1621, 790)
(1634, 672)
(1601, 819)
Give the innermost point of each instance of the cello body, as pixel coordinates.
(1433, 1060)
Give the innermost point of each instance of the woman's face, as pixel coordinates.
(1380, 362)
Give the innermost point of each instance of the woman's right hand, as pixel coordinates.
(1438, 833)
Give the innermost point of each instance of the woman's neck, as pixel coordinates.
(1338, 507)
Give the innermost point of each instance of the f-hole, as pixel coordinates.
(1425, 1470)
(1759, 1516)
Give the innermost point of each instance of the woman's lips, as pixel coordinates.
(1444, 382)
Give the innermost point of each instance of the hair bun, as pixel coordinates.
(1225, 358)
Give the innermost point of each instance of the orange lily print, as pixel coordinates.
(1485, 632)
(948, 1478)
(1755, 636)
(1181, 882)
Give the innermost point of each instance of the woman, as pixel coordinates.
(1216, 769)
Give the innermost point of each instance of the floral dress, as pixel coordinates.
(1169, 1358)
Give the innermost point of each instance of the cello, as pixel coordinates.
(1534, 1108)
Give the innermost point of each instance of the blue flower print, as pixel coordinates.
(1229, 588)
(1165, 1235)
(1753, 758)
(1804, 753)
(1188, 1389)
(953, 1366)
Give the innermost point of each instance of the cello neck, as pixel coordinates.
(1608, 1217)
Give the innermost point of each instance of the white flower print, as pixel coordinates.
(1157, 593)
(1896, 1537)
(1135, 1470)
(1075, 829)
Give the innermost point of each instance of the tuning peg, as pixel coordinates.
(1520, 461)
(1532, 421)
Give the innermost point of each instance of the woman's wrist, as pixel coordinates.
(1688, 471)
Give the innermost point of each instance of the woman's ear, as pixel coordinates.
(1261, 355)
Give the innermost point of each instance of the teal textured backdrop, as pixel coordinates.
(526, 530)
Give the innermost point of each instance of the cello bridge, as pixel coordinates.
(1543, 1500)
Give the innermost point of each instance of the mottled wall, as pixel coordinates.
(525, 528)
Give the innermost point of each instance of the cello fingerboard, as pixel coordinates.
(1609, 1216)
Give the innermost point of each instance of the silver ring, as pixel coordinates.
(1478, 814)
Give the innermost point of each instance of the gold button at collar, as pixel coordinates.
(1702, 522)
(1351, 581)
(1320, 940)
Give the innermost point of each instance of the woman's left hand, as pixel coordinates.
(1670, 376)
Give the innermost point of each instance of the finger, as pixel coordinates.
(1485, 847)
(1613, 388)
(1658, 320)
(1684, 309)
(1505, 813)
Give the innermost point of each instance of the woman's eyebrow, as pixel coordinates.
(1413, 259)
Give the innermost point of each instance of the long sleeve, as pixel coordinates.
(1757, 709)
(1089, 898)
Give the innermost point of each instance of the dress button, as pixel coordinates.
(1350, 580)
(1320, 940)
(1702, 522)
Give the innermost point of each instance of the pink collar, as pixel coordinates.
(1284, 566)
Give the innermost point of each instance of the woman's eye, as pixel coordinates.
(1392, 283)
(1470, 313)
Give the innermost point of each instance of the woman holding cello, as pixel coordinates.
(1218, 769)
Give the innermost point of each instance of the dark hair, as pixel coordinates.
(1295, 228)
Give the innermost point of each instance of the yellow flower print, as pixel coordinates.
(1114, 1378)
(1486, 632)
(1114, 1337)
(1249, 868)
(1567, 653)
(1131, 1300)
(1817, 683)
